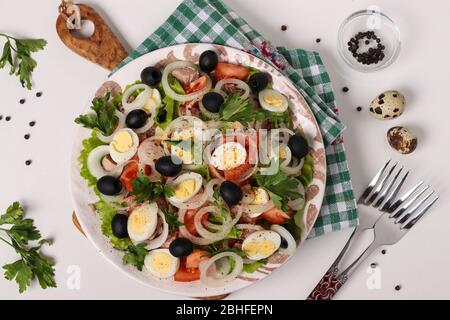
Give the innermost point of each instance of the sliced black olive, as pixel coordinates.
(231, 193)
(181, 247)
(258, 81)
(167, 167)
(212, 101)
(119, 226)
(109, 185)
(151, 76)
(283, 243)
(208, 61)
(298, 146)
(136, 119)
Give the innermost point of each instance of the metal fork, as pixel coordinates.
(391, 222)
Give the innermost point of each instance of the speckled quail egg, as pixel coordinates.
(402, 139)
(161, 263)
(186, 186)
(388, 105)
(272, 100)
(261, 244)
(142, 222)
(124, 145)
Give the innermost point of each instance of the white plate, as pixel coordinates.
(304, 118)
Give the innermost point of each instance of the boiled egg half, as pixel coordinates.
(153, 102)
(228, 156)
(186, 186)
(272, 100)
(124, 145)
(261, 244)
(142, 222)
(161, 263)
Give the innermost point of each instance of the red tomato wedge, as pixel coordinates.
(189, 221)
(235, 174)
(197, 85)
(129, 173)
(186, 275)
(193, 260)
(228, 70)
(276, 215)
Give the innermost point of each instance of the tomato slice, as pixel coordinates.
(228, 70)
(185, 274)
(197, 85)
(193, 260)
(128, 175)
(276, 215)
(189, 221)
(237, 173)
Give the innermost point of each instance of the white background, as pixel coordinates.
(419, 263)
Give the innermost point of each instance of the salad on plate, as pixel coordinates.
(199, 171)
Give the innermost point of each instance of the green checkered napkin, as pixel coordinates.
(211, 21)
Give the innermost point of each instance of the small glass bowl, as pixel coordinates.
(384, 28)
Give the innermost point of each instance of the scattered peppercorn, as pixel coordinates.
(1, 117)
(22, 101)
(398, 287)
(27, 136)
(32, 123)
(38, 94)
(383, 251)
(359, 109)
(283, 27)
(318, 40)
(345, 89)
(7, 118)
(373, 265)
(28, 162)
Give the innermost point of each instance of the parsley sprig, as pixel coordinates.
(135, 255)
(276, 119)
(104, 119)
(171, 217)
(237, 109)
(144, 189)
(18, 57)
(31, 264)
(280, 186)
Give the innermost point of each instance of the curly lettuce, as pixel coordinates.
(88, 145)
(107, 213)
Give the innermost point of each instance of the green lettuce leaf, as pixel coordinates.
(88, 145)
(107, 213)
(307, 173)
(252, 267)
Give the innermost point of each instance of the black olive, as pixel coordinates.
(208, 61)
(212, 101)
(283, 243)
(298, 146)
(136, 119)
(289, 227)
(258, 81)
(167, 167)
(119, 226)
(109, 185)
(151, 76)
(231, 193)
(181, 247)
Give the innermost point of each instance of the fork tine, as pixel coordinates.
(380, 186)
(419, 215)
(408, 204)
(387, 189)
(373, 183)
(403, 219)
(394, 194)
(405, 197)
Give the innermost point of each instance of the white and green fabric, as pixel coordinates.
(211, 21)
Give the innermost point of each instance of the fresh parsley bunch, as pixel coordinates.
(235, 108)
(144, 189)
(104, 119)
(18, 57)
(31, 264)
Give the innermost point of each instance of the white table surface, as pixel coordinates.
(419, 263)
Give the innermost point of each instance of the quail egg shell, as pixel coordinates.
(402, 139)
(142, 222)
(186, 186)
(272, 100)
(161, 264)
(388, 105)
(124, 145)
(261, 244)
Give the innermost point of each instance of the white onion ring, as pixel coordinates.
(292, 245)
(255, 210)
(239, 83)
(209, 114)
(140, 100)
(120, 125)
(209, 189)
(117, 198)
(220, 280)
(295, 169)
(202, 231)
(299, 203)
(247, 226)
(196, 202)
(150, 122)
(159, 241)
(182, 97)
(95, 157)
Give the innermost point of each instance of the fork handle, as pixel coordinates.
(326, 288)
